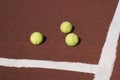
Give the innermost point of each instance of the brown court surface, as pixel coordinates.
(19, 18)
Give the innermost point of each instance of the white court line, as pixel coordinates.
(102, 71)
(70, 66)
(108, 55)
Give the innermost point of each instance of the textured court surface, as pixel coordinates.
(18, 19)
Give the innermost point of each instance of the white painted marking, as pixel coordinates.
(102, 71)
(108, 55)
(71, 66)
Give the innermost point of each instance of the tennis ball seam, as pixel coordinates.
(40, 41)
(66, 29)
(73, 40)
(34, 36)
(35, 39)
(69, 27)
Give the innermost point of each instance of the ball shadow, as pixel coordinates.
(44, 39)
(73, 28)
(79, 41)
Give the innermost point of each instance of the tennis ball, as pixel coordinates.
(36, 38)
(66, 27)
(72, 39)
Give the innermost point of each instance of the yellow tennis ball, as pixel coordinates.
(66, 27)
(72, 39)
(36, 38)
